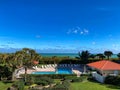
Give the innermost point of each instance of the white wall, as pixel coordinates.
(98, 77)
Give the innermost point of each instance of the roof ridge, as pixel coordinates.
(104, 65)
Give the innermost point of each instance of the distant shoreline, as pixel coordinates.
(71, 55)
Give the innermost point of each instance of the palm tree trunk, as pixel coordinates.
(25, 74)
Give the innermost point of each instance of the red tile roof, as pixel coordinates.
(35, 62)
(105, 65)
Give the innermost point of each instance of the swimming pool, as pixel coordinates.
(58, 71)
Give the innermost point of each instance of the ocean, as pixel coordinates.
(71, 55)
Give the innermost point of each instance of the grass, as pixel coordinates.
(92, 86)
(4, 86)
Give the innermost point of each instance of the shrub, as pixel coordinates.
(43, 80)
(66, 83)
(19, 85)
(7, 81)
(64, 86)
(30, 80)
(75, 79)
(53, 76)
(114, 80)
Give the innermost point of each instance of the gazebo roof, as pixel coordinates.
(35, 62)
(105, 65)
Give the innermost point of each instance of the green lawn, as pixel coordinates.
(92, 86)
(87, 85)
(4, 86)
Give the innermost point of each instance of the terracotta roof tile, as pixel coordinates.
(105, 65)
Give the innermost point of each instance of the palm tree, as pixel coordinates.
(30, 56)
(84, 55)
(118, 55)
(1, 60)
(19, 57)
(108, 54)
(5, 58)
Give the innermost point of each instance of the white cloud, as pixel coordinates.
(78, 30)
(93, 43)
(38, 36)
(10, 42)
(75, 31)
(4, 45)
(116, 46)
(86, 31)
(69, 31)
(81, 32)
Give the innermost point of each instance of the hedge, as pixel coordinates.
(75, 79)
(53, 76)
(65, 85)
(38, 80)
(114, 80)
(19, 85)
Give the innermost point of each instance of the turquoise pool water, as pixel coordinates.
(58, 71)
(43, 72)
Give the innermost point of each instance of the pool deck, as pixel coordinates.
(29, 71)
(77, 70)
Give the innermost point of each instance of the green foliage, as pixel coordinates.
(43, 81)
(37, 79)
(29, 80)
(108, 54)
(118, 55)
(92, 56)
(4, 86)
(19, 85)
(114, 80)
(53, 76)
(65, 85)
(83, 56)
(7, 81)
(101, 56)
(76, 79)
(5, 72)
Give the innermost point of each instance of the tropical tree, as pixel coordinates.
(92, 56)
(7, 62)
(100, 56)
(5, 57)
(108, 54)
(19, 57)
(83, 56)
(29, 56)
(118, 55)
(5, 72)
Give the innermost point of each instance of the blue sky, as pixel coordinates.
(60, 25)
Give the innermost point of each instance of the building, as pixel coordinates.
(103, 68)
